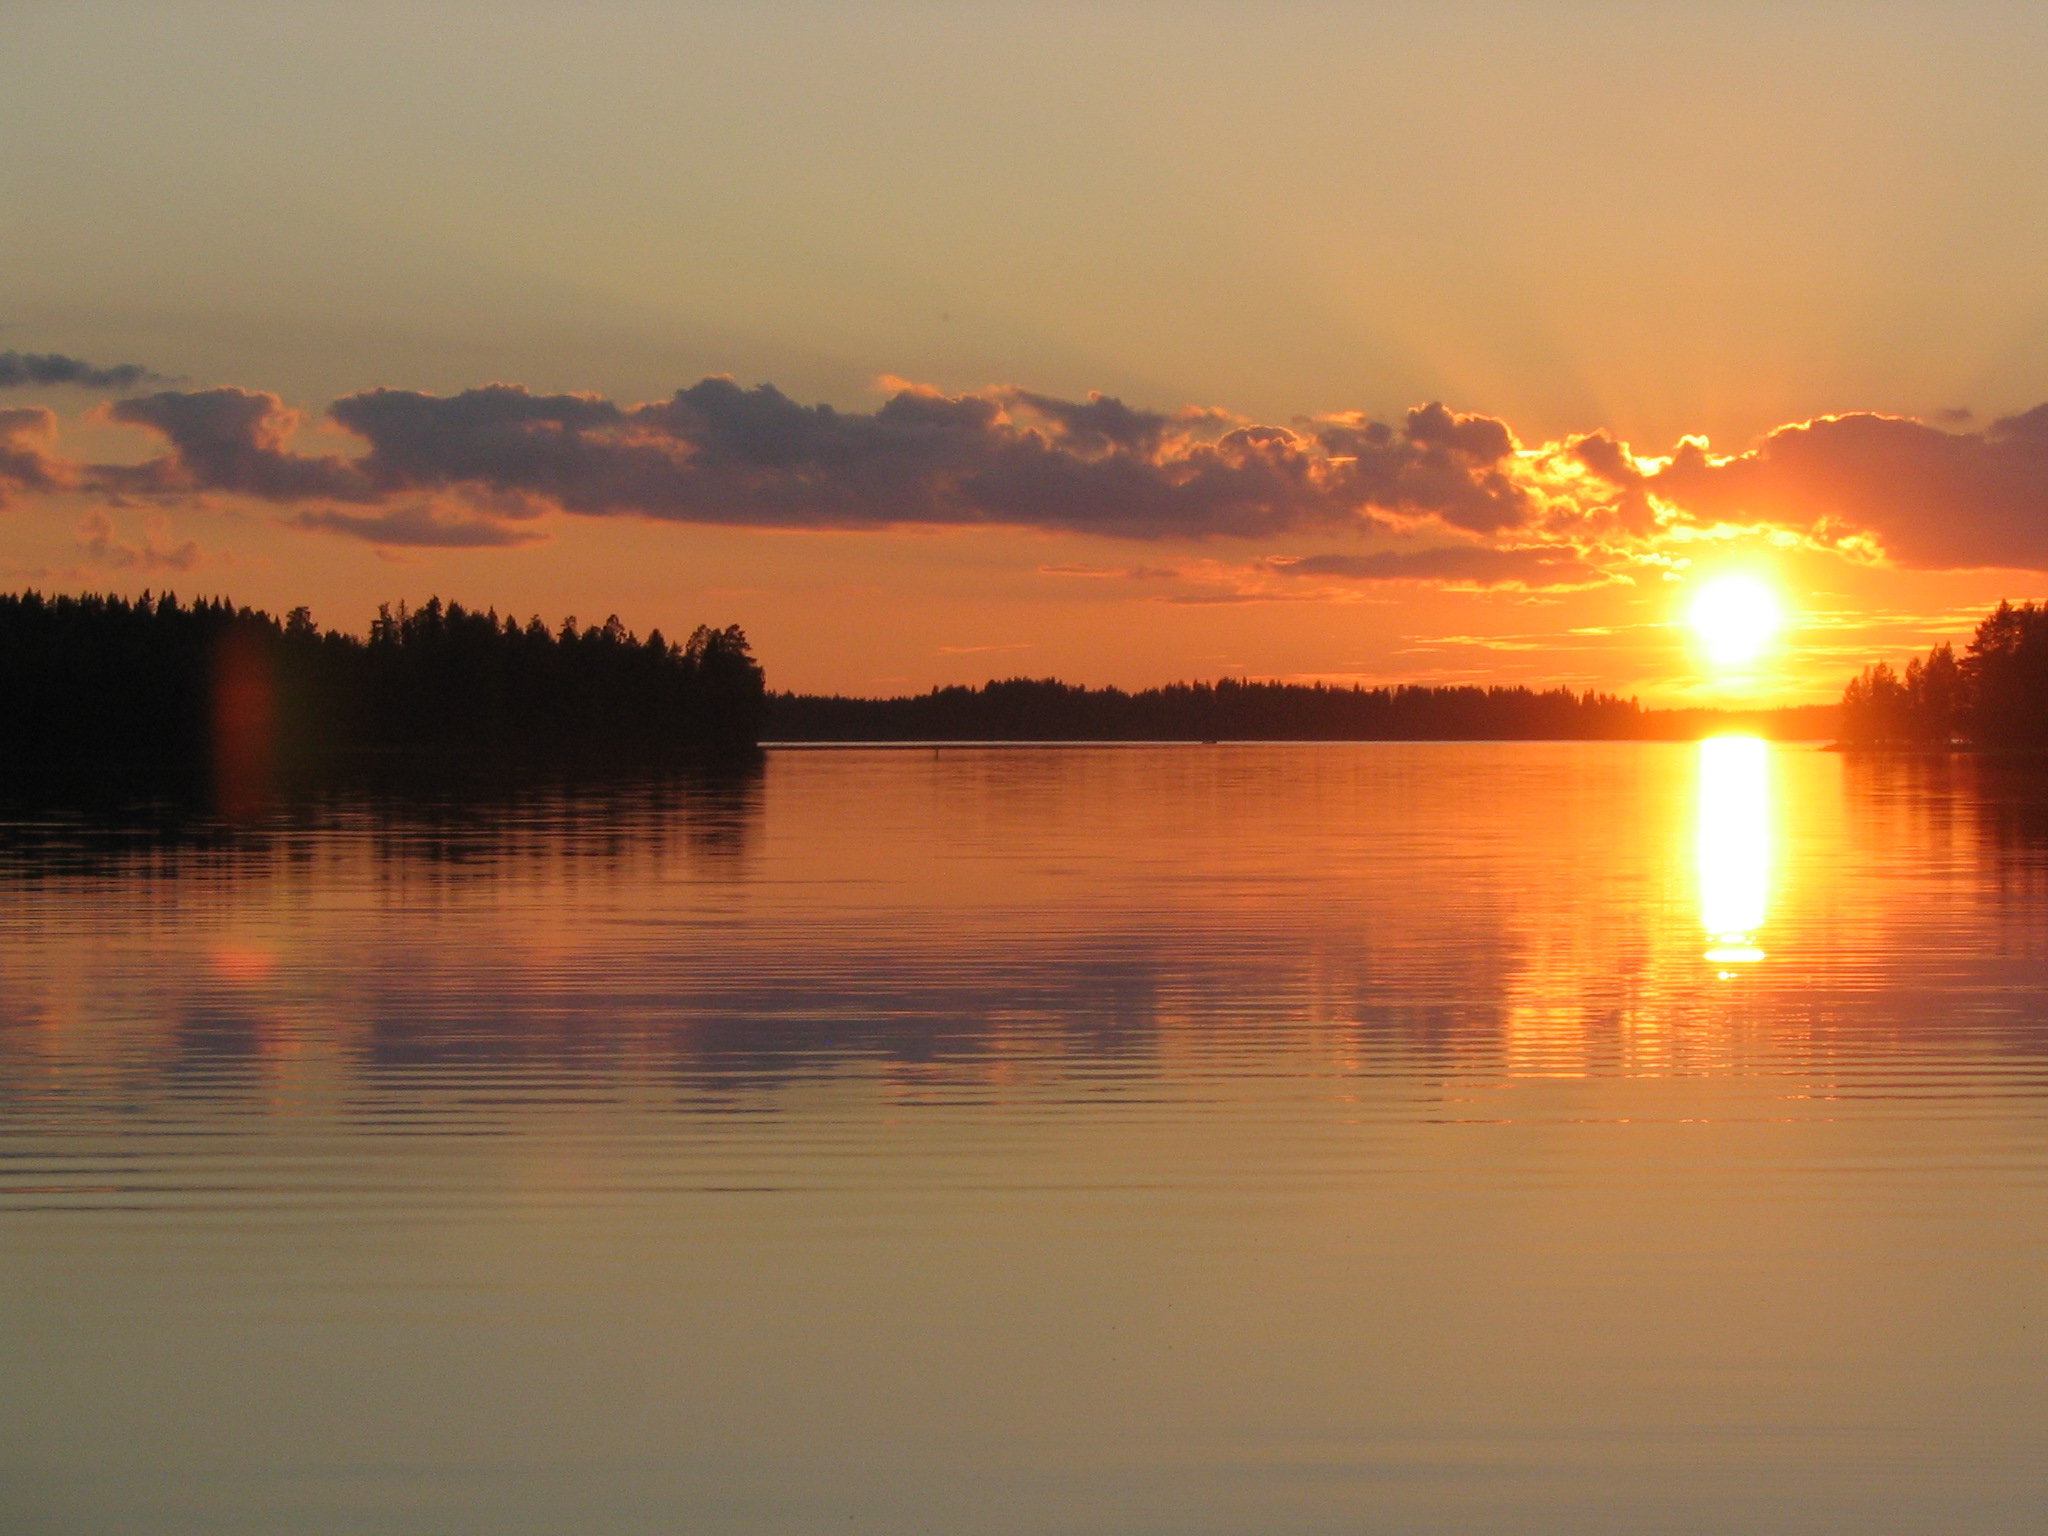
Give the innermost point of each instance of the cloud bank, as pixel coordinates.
(477, 468)
(717, 453)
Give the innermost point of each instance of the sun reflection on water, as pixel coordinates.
(1734, 849)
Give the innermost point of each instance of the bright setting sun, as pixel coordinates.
(1735, 618)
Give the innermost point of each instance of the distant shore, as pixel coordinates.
(1077, 744)
(1047, 712)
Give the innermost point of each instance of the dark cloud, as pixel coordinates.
(1479, 439)
(228, 440)
(1464, 565)
(1100, 423)
(26, 463)
(1606, 458)
(1440, 464)
(1611, 462)
(416, 527)
(719, 453)
(1934, 499)
(556, 446)
(19, 370)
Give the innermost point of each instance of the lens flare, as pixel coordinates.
(1735, 618)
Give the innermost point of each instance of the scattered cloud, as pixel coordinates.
(417, 527)
(26, 462)
(1474, 565)
(101, 546)
(19, 370)
(1113, 572)
(1478, 642)
(1243, 595)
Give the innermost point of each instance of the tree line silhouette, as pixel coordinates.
(1044, 709)
(105, 679)
(1994, 695)
(110, 680)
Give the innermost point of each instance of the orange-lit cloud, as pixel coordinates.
(155, 551)
(1932, 498)
(26, 462)
(1471, 505)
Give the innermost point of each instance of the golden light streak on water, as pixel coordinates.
(1734, 846)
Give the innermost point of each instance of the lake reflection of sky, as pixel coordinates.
(1196, 1139)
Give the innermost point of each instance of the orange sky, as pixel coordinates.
(1580, 227)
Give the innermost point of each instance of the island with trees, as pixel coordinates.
(1992, 697)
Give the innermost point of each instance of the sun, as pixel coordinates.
(1735, 618)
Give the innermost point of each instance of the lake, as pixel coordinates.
(1461, 1138)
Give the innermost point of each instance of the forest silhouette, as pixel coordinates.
(152, 681)
(1994, 696)
(1044, 709)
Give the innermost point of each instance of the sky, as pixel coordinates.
(1122, 343)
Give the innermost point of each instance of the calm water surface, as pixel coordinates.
(1392, 1138)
